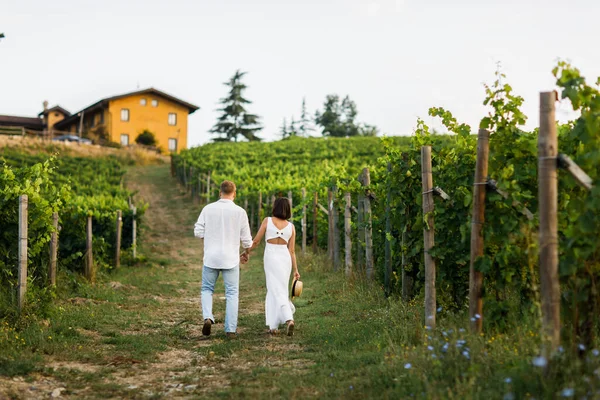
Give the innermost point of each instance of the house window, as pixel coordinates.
(142, 102)
(172, 119)
(124, 139)
(124, 114)
(154, 103)
(56, 114)
(172, 145)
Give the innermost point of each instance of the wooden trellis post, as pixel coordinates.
(89, 256)
(330, 224)
(477, 220)
(428, 236)
(315, 243)
(291, 204)
(118, 239)
(336, 231)
(134, 232)
(23, 229)
(53, 250)
(388, 234)
(548, 234)
(369, 262)
(208, 188)
(259, 220)
(348, 234)
(303, 223)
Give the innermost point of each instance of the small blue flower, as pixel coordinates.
(461, 330)
(567, 392)
(581, 347)
(445, 347)
(472, 319)
(351, 387)
(509, 396)
(428, 327)
(407, 366)
(477, 316)
(540, 362)
(596, 352)
(561, 349)
(466, 355)
(331, 374)
(439, 309)
(433, 356)
(444, 333)
(430, 348)
(507, 380)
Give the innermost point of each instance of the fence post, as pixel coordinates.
(53, 250)
(315, 243)
(184, 176)
(477, 221)
(89, 256)
(291, 204)
(360, 222)
(336, 231)
(22, 276)
(369, 262)
(259, 220)
(118, 239)
(208, 188)
(428, 235)
(348, 234)
(303, 223)
(388, 234)
(548, 234)
(330, 224)
(134, 233)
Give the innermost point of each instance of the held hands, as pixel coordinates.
(244, 257)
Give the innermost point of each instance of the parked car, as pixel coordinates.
(72, 138)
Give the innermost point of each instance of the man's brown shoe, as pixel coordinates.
(231, 335)
(206, 327)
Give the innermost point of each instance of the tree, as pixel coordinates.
(338, 119)
(305, 123)
(292, 129)
(235, 121)
(146, 138)
(1, 35)
(283, 130)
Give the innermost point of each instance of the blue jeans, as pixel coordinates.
(231, 278)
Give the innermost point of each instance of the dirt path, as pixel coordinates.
(139, 334)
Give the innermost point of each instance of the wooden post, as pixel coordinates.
(548, 234)
(53, 250)
(330, 224)
(369, 262)
(184, 176)
(388, 234)
(208, 188)
(303, 223)
(360, 221)
(291, 204)
(259, 219)
(348, 234)
(89, 256)
(22, 275)
(118, 239)
(477, 220)
(134, 233)
(428, 236)
(315, 243)
(336, 231)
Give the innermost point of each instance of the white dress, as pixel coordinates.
(278, 267)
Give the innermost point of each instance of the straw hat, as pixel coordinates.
(296, 288)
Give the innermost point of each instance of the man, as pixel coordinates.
(223, 225)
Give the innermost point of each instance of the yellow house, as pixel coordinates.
(122, 118)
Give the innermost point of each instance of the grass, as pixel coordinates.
(144, 340)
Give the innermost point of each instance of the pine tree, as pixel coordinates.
(283, 131)
(292, 130)
(235, 120)
(305, 122)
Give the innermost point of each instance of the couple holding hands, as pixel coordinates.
(223, 225)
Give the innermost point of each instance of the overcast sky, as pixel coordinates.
(394, 58)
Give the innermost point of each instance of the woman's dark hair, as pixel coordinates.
(281, 208)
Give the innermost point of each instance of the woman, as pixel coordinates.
(280, 259)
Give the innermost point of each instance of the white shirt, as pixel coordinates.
(223, 225)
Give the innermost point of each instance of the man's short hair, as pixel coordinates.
(227, 187)
(281, 208)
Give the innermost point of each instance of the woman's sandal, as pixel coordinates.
(273, 332)
(290, 328)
